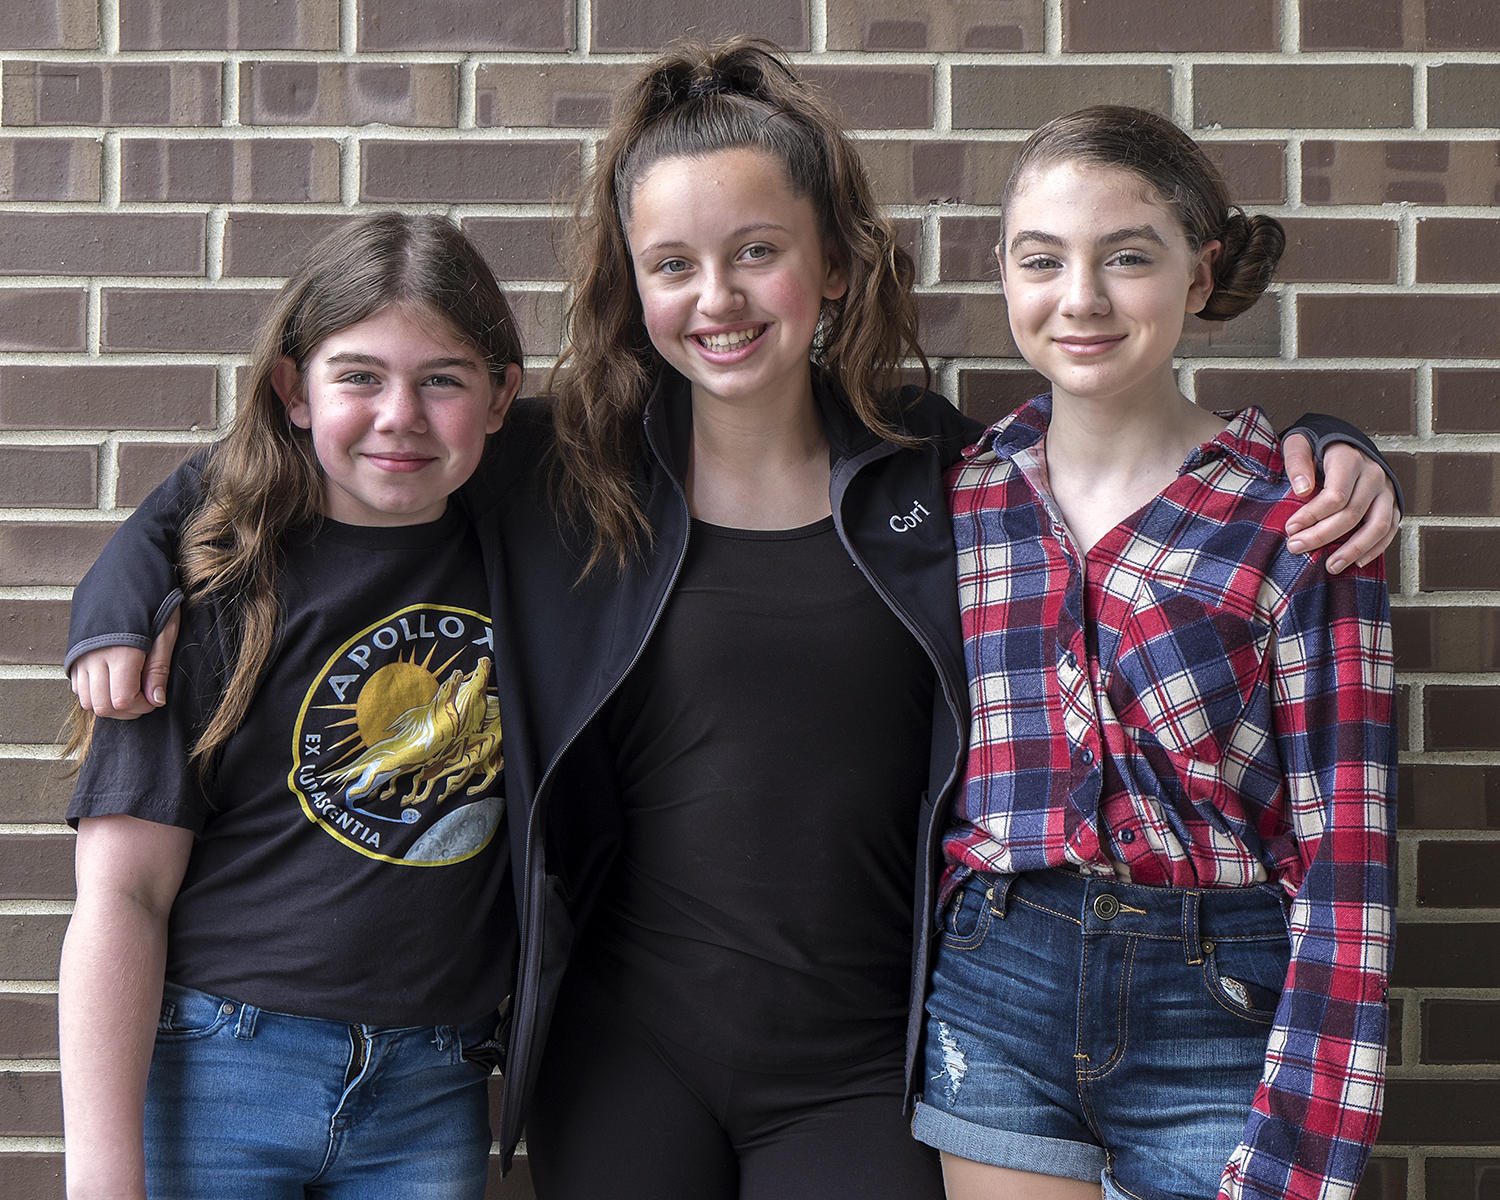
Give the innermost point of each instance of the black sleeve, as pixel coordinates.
(131, 589)
(1323, 431)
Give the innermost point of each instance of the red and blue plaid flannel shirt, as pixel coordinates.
(1205, 709)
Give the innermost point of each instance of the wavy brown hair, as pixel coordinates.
(1177, 174)
(262, 481)
(696, 100)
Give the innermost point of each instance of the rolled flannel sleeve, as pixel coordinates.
(1317, 1108)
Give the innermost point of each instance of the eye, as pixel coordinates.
(1039, 262)
(358, 378)
(442, 381)
(756, 252)
(1129, 258)
(672, 266)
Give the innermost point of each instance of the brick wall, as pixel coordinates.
(162, 162)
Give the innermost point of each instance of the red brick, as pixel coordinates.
(518, 247)
(1440, 1112)
(54, 476)
(1462, 1031)
(550, 95)
(145, 464)
(650, 24)
(102, 244)
(50, 25)
(1464, 718)
(342, 93)
(1436, 796)
(975, 26)
(29, 945)
(1264, 96)
(968, 248)
(1399, 326)
(1338, 250)
(937, 172)
(36, 868)
(47, 553)
(1376, 401)
(218, 170)
(1458, 250)
(878, 97)
(107, 396)
(466, 25)
(471, 170)
(1352, 25)
(32, 790)
(988, 394)
(213, 321)
(1170, 25)
(1459, 559)
(32, 711)
(964, 325)
(28, 1029)
(1462, 1178)
(1446, 638)
(1395, 172)
(34, 318)
(273, 245)
(1462, 95)
(117, 93)
(1006, 97)
(229, 25)
(42, 168)
(1255, 172)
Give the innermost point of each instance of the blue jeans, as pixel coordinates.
(245, 1104)
(1100, 1030)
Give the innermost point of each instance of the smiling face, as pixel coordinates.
(732, 271)
(399, 406)
(1099, 278)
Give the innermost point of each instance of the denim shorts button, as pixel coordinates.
(226, 1008)
(1106, 907)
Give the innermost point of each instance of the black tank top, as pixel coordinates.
(772, 748)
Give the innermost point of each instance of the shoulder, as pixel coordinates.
(928, 414)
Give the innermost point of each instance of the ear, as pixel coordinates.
(1201, 282)
(835, 279)
(501, 395)
(286, 382)
(999, 253)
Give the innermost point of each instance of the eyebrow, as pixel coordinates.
(1131, 233)
(354, 358)
(734, 235)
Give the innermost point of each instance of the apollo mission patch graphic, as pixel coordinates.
(396, 752)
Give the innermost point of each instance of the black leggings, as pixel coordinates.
(623, 1113)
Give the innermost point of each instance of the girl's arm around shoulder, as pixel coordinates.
(1360, 498)
(109, 997)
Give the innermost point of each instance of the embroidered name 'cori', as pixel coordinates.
(901, 522)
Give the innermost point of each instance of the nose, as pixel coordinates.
(1083, 295)
(400, 409)
(718, 292)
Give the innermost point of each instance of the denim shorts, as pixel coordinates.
(244, 1102)
(1099, 1030)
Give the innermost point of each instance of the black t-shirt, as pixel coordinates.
(772, 750)
(350, 859)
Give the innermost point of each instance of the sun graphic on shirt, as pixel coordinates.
(393, 689)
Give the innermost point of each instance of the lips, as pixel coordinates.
(398, 462)
(1087, 347)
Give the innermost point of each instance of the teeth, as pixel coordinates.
(722, 342)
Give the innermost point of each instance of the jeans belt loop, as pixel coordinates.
(999, 893)
(1192, 944)
(245, 1022)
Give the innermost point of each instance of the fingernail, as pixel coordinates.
(159, 696)
(1300, 484)
(1335, 565)
(1296, 546)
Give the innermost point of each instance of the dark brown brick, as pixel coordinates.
(41, 168)
(518, 247)
(1464, 400)
(217, 170)
(28, 1028)
(1449, 485)
(1464, 718)
(43, 553)
(262, 245)
(1338, 250)
(229, 25)
(102, 244)
(31, 632)
(1462, 1178)
(1462, 1031)
(32, 711)
(650, 24)
(965, 324)
(33, 790)
(550, 95)
(987, 395)
(1256, 334)
(1446, 954)
(1395, 1014)
(1440, 1112)
(1400, 326)
(1462, 95)
(1384, 1179)
(466, 25)
(1376, 401)
(145, 464)
(107, 396)
(1448, 797)
(1322, 97)
(472, 170)
(1393, 172)
(213, 321)
(341, 93)
(538, 319)
(968, 248)
(1458, 250)
(50, 25)
(1459, 559)
(1352, 25)
(1005, 97)
(938, 172)
(30, 1104)
(36, 868)
(37, 1176)
(118, 93)
(878, 97)
(1170, 25)
(1255, 172)
(983, 26)
(33, 318)
(1452, 639)
(55, 476)
(28, 950)
(1459, 25)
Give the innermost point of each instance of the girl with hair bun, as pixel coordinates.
(1166, 906)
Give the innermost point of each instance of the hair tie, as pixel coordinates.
(712, 84)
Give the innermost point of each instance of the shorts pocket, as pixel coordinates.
(967, 915)
(1246, 975)
(188, 1014)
